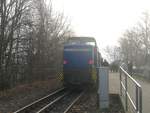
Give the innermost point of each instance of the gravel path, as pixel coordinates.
(114, 86)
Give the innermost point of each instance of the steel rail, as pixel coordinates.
(51, 103)
(38, 101)
(75, 100)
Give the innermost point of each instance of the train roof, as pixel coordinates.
(90, 39)
(81, 41)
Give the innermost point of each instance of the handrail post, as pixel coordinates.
(137, 98)
(140, 100)
(120, 82)
(126, 90)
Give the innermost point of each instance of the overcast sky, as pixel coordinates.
(105, 20)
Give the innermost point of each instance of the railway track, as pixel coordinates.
(73, 102)
(59, 101)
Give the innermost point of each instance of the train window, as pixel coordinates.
(81, 41)
(90, 43)
(72, 42)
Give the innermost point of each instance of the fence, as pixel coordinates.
(136, 102)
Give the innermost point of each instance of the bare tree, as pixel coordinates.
(144, 27)
(31, 38)
(11, 16)
(135, 43)
(113, 53)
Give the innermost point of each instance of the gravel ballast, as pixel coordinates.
(88, 104)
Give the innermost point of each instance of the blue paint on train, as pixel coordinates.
(77, 56)
(80, 61)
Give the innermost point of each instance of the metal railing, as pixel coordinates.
(137, 103)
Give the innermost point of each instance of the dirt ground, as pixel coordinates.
(22, 95)
(88, 104)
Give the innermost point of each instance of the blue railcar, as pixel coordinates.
(80, 61)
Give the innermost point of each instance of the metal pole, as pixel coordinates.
(140, 100)
(137, 99)
(126, 90)
(97, 85)
(120, 83)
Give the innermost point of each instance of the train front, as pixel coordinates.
(78, 64)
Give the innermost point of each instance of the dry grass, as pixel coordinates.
(21, 95)
(26, 88)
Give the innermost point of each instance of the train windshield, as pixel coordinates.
(81, 41)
